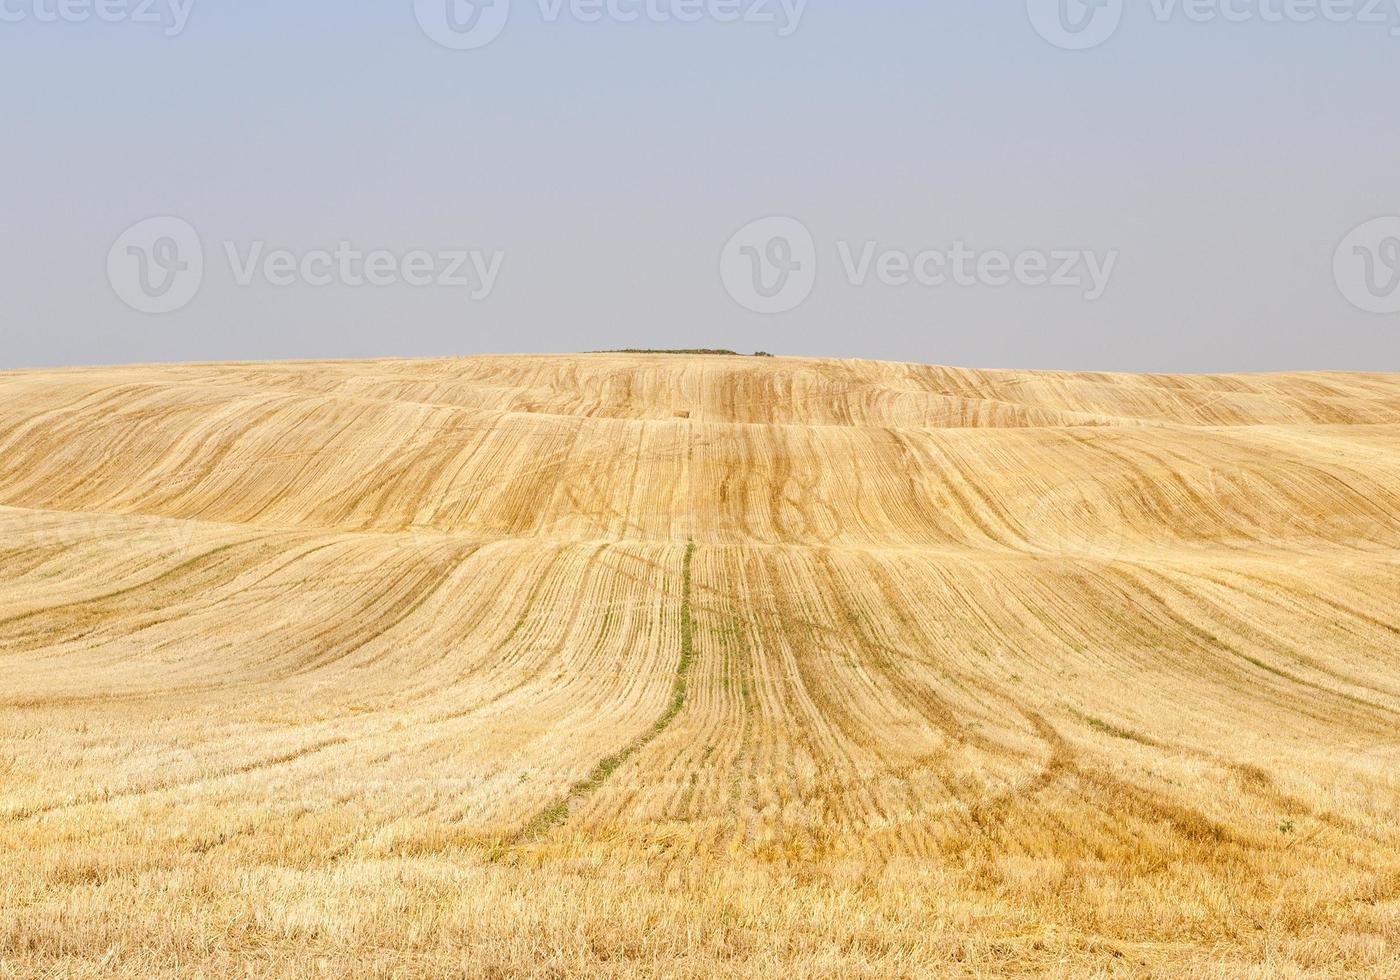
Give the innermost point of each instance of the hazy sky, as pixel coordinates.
(572, 184)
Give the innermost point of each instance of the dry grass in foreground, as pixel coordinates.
(634, 665)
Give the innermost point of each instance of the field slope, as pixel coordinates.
(683, 665)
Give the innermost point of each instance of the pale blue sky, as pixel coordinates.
(611, 162)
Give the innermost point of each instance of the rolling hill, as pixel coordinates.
(630, 664)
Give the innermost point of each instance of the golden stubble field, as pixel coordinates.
(637, 665)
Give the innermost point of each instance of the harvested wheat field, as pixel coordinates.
(642, 665)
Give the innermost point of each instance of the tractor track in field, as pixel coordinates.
(558, 812)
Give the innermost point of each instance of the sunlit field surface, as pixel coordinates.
(640, 665)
